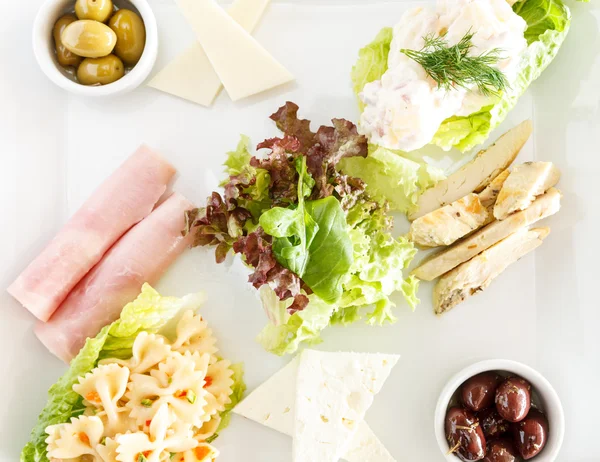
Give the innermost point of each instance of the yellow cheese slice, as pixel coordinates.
(243, 65)
(190, 75)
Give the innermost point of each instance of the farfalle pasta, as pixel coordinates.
(123, 424)
(193, 334)
(164, 403)
(163, 437)
(103, 388)
(204, 452)
(148, 350)
(75, 439)
(175, 383)
(107, 450)
(219, 382)
(208, 429)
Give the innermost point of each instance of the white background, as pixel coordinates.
(55, 149)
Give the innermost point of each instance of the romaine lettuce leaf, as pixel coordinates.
(392, 177)
(548, 23)
(543, 16)
(149, 312)
(63, 403)
(372, 61)
(462, 132)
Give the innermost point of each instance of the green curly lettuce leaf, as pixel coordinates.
(376, 273)
(288, 332)
(391, 176)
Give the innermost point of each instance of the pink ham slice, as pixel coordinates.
(124, 199)
(141, 255)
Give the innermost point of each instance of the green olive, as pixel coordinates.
(100, 71)
(131, 36)
(90, 39)
(64, 56)
(98, 10)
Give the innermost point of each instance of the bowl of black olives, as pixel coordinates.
(96, 47)
(499, 411)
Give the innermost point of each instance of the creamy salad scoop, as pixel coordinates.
(405, 108)
(448, 75)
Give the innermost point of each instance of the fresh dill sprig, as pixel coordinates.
(451, 66)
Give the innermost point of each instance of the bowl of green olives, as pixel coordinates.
(499, 411)
(96, 47)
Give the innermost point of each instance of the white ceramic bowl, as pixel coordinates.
(550, 404)
(43, 47)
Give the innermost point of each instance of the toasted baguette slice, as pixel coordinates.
(523, 185)
(475, 275)
(448, 224)
(477, 174)
(544, 206)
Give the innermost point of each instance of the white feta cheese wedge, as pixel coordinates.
(526, 182)
(273, 404)
(474, 276)
(544, 206)
(244, 67)
(448, 224)
(333, 393)
(190, 75)
(477, 174)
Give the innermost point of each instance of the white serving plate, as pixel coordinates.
(56, 148)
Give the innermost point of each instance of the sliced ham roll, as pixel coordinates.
(141, 255)
(124, 199)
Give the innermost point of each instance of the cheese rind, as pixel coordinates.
(190, 75)
(273, 404)
(333, 393)
(243, 65)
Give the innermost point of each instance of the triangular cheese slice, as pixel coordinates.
(243, 65)
(190, 75)
(273, 404)
(333, 393)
